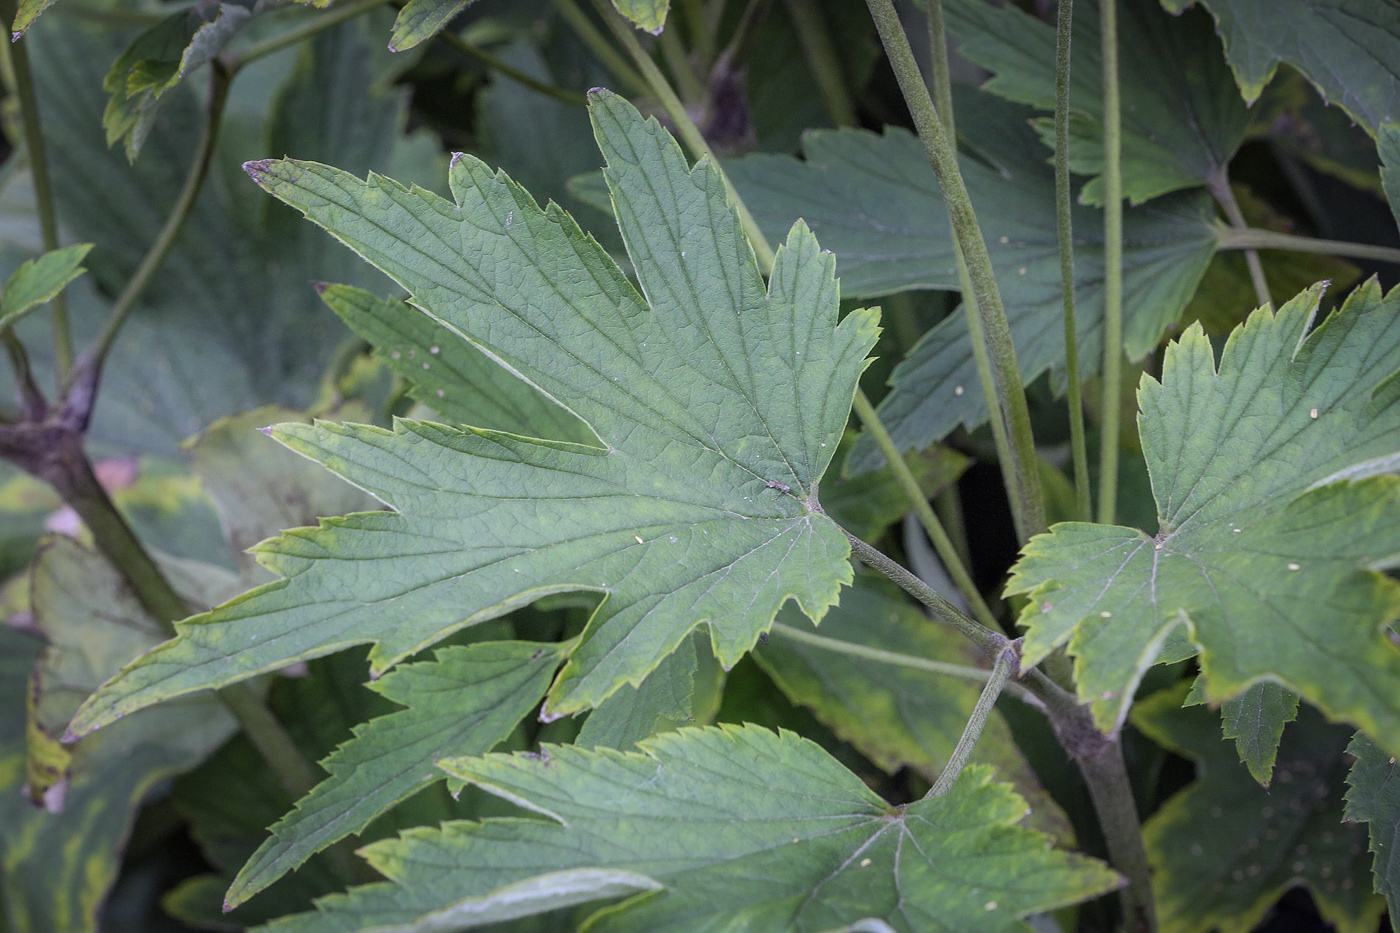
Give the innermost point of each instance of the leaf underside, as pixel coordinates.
(1267, 475)
(694, 810)
(720, 404)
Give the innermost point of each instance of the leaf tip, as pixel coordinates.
(257, 169)
(266, 430)
(320, 287)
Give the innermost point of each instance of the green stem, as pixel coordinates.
(812, 32)
(32, 403)
(895, 659)
(1002, 377)
(317, 24)
(989, 640)
(43, 185)
(1219, 186)
(1252, 238)
(690, 133)
(941, 542)
(574, 98)
(1106, 774)
(1064, 223)
(962, 753)
(688, 82)
(155, 256)
(948, 506)
(1113, 265)
(601, 48)
(702, 36)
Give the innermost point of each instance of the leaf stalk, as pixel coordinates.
(812, 32)
(1112, 404)
(1219, 187)
(1254, 238)
(1002, 375)
(1006, 662)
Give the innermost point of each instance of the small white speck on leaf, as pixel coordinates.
(639, 539)
(991, 905)
(441, 393)
(1295, 566)
(435, 349)
(394, 354)
(865, 863)
(425, 364)
(958, 390)
(1004, 240)
(1021, 271)
(1313, 413)
(1046, 606)
(1106, 614)
(1238, 530)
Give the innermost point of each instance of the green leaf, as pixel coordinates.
(664, 699)
(1225, 849)
(1255, 720)
(447, 373)
(720, 407)
(1264, 471)
(462, 703)
(231, 322)
(37, 282)
(695, 810)
(874, 201)
(898, 717)
(1182, 119)
(59, 861)
(420, 20)
(1374, 797)
(1389, 144)
(645, 14)
(25, 16)
(1348, 49)
(162, 57)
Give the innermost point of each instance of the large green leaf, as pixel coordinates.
(696, 810)
(1271, 515)
(1349, 49)
(1374, 797)
(463, 702)
(231, 322)
(40, 280)
(898, 717)
(1225, 849)
(1182, 118)
(874, 201)
(720, 404)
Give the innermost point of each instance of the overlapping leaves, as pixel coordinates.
(1266, 472)
(695, 811)
(720, 406)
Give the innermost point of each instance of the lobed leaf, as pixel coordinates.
(1183, 120)
(1265, 470)
(1348, 49)
(1374, 797)
(720, 404)
(695, 811)
(1225, 849)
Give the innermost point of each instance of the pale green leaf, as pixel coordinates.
(874, 201)
(1373, 797)
(1182, 121)
(462, 703)
(27, 13)
(721, 405)
(898, 717)
(447, 373)
(1264, 471)
(696, 810)
(39, 280)
(1225, 849)
(1349, 49)
(420, 20)
(645, 14)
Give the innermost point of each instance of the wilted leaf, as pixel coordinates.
(1225, 849)
(898, 717)
(39, 280)
(463, 702)
(1349, 49)
(696, 810)
(720, 404)
(874, 201)
(1374, 798)
(1182, 117)
(1265, 474)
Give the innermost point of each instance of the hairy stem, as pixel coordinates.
(1252, 238)
(1113, 265)
(812, 32)
(1064, 224)
(317, 24)
(599, 45)
(30, 126)
(987, 639)
(1006, 661)
(1219, 185)
(495, 63)
(690, 133)
(941, 542)
(895, 659)
(1002, 377)
(95, 356)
